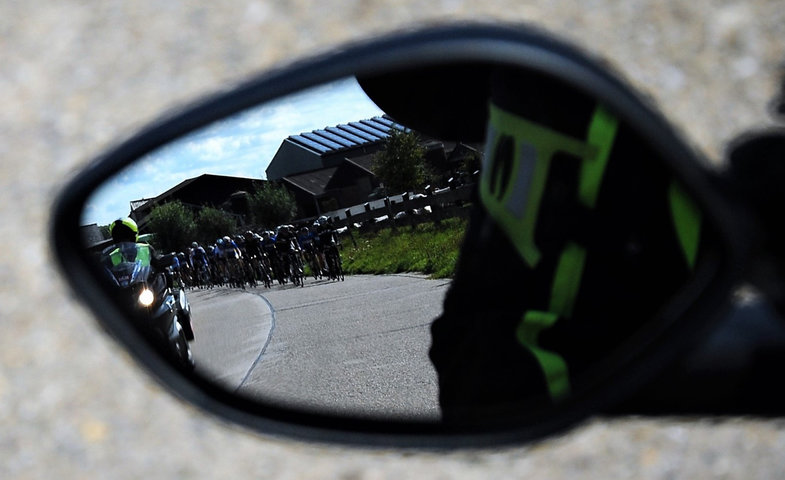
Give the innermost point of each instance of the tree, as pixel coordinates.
(213, 223)
(272, 205)
(173, 225)
(401, 164)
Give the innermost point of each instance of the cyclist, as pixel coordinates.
(176, 271)
(220, 261)
(271, 258)
(252, 253)
(231, 258)
(197, 257)
(288, 250)
(328, 246)
(306, 239)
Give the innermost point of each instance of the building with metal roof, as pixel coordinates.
(331, 188)
(329, 147)
(332, 168)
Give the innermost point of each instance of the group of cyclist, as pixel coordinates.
(263, 257)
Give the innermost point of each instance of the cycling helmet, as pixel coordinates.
(124, 229)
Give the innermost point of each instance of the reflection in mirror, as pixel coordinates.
(306, 252)
(304, 279)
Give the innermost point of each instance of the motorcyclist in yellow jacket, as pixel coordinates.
(125, 230)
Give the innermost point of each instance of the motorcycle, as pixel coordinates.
(162, 313)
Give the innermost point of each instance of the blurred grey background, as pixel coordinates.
(77, 77)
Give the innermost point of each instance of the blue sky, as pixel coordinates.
(242, 145)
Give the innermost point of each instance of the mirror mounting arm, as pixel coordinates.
(755, 178)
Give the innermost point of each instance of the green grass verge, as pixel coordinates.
(426, 248)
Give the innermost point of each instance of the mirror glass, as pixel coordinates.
(308, 252)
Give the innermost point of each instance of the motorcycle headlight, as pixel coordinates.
(146, 297)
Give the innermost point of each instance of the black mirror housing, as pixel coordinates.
(396, 64)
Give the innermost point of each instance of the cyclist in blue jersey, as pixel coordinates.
(197, 258)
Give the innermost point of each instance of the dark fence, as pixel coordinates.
(404, 210)
(382, 213)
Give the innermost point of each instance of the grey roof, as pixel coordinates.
(346, 136)
(314, 182)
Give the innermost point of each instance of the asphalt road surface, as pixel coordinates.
(356, 347)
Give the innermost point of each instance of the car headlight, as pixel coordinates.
(146, 297)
